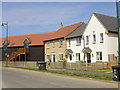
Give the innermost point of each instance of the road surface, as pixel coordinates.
(19, 78)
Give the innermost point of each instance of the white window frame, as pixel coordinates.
(69, 42)
(87, 40)
(55, 57)
(60, 56)
(78, 41)
(101, 38)
(99, 55)
(53, 44)
(60, 43)
(78, 56)
(47, 44)
(48, 59)
(94, 38)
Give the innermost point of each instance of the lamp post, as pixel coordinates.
(6, 42)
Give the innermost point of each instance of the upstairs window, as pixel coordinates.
(47, 44)
(101, 38)
(94, 39)
(87, 40)
(53, 43)
(69, 42)
(60, 43)
(78, 41)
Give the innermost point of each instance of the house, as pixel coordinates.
(75, 44)
(33, 43)
(56, 46)
(98, 42)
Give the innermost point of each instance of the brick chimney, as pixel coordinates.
(61, 25)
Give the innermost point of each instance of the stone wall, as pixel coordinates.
(76, 66)
(21, 64)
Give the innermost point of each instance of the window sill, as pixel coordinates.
(101, 42)
(78, 45)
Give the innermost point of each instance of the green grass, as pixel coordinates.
(103, 70)
(95, 76)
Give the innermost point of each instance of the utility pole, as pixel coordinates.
(118, 28)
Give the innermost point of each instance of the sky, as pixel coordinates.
(40, 17)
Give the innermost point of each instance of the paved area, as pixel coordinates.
(19, 78)
(89, 72)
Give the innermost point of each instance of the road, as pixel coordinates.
(18, 78)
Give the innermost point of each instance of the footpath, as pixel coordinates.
(88, 72)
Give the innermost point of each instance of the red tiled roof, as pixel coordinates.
(62, 32)
(37, 39)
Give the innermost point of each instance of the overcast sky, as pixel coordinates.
(38, 17)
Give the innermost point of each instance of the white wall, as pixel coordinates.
(75, 49)
(109, 45)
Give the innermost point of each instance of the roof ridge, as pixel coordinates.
(28, 34)
(104, 15)
(71, 25)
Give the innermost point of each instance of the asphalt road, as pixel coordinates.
(18, 78)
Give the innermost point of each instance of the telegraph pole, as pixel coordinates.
(118, 28)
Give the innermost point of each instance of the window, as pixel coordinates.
(69, 42)
(99, 55)
(60, 43)
(47, 44)
(70, 56)
(78, 56)
(78, 41)
(48, 57)
(87, 40)
(53, 43)
(94, 39)
(60, 56)
(101, 38)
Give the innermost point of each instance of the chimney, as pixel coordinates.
(61, 25)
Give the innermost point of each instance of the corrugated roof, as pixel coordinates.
(109, 22)
(78, 31)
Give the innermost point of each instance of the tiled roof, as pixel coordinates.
(36, 39)
(77, 32)
(109, 22)
(64, 31)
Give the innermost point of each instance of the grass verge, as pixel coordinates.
(95, 76)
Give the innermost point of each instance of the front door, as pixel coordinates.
(54, 57)
(88, 58)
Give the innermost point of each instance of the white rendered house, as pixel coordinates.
(98, 42)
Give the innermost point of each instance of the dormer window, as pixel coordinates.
(26, 43)
(5, 44)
